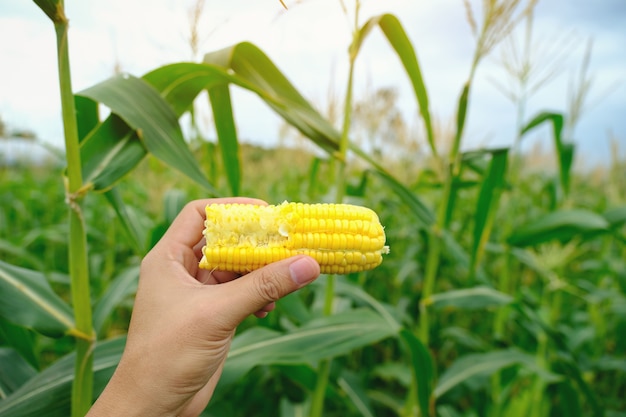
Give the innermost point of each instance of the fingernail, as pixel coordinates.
(303, 271)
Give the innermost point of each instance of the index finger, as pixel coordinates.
(187, 227)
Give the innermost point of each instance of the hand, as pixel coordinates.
(184, 319)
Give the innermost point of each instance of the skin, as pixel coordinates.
(184, 319)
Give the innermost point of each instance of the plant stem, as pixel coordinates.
(82, 387)
(323, 371)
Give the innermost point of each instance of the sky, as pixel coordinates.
(308, 42)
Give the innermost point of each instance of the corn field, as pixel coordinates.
(504, 292)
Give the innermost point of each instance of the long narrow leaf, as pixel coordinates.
(48, 393)
(559, 225)
(259, 74)
(469, 299)
(122, 287)
(564, 151)
(323, 338)
(423, 370)
(479, 364)
(27, 299)
(142, 107)
(488, 198)
(132, 224)
(397, 37)
(14, 371)
(109, 152)
(219, 97)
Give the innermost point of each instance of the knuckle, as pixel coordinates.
(268, 287)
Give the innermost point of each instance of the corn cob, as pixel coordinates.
(342, 238)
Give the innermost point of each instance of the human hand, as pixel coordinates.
(184, 319)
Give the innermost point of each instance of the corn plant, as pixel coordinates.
(502, 295)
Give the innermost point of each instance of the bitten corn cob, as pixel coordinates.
(342, 238)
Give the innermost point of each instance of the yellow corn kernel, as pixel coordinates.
(342, 238)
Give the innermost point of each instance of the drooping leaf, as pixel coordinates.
(121, 287)
(355, 391)
(564, 150)
(131, 222)
(257, 73)
(109, 152)
(219, 96)
(486, 207)
(559, 225)
(49, 392)
(479, 364)
(616, 216)
(26, 299)
(397, 37)
(469, 299)
(319, 339)
(87, 116)
(14, 371)
(141, 106)
(423, 370)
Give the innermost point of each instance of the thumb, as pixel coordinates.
(253, 291)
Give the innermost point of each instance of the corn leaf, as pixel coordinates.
(131, 221)
(560, 225)
(14, 371)
(319, 339)
(179, 84)
(353, 388)
(479, 365)
(397, 37)
(564, 151)
(469, 299)
(109, 152)
(256, 72)
(87, 116)
(26, 299)
(219, 97)
(21, 339)
(423, 372)
(616, 216)
(144, 110)
(488, 198)
(121, 288)
(48, 393)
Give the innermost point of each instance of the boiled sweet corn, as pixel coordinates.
(342, 238)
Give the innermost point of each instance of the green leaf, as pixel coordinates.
(109, 152)
(179, 84)
(219, 97)
(478, 364)
(141, 106)
(254, 71)
(121, 288)
(14, 371)
(48, 393)
(469, 299)
(87, 116)
(355, 391)
(21, 339)
(616, 216)
(488, 199)
(564, 151)
(131, 222)
(53, 9)
(560, 225)
(319, 339)
(397, 37)
(423, 370)
(26, 299)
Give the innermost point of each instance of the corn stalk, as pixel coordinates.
(82, 388)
